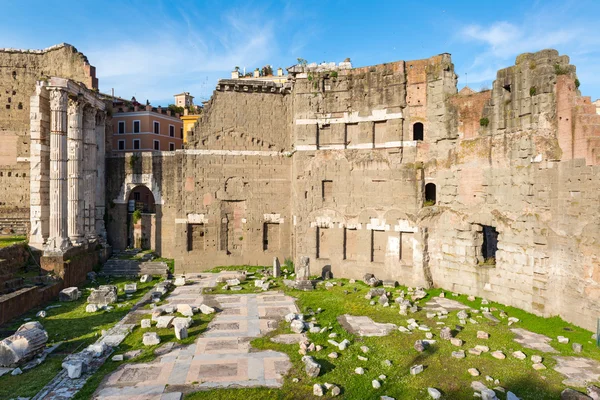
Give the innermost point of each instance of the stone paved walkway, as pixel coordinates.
(531, 340)
(579, 371)
(220, 358)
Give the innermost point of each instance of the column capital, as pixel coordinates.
(89, 113)
(58, 99)
(100, 117)
(75, 105)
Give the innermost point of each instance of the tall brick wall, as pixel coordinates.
(19, 71)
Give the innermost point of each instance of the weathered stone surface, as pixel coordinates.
(571, 394)
(311, 367)
(150, 338)
(103, 296)
(164, 322)
(91, 308)
(181, 331)
(204, 309)
(69, 294)
(146, 278)
(130, 288)
(28, 341)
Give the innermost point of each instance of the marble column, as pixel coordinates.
(89, 171)
(39, 166)
(75, 169)
(100, 169)
(58, 240)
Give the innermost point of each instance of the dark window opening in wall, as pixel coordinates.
(121, 145)
(507, 88)
(136, 144)
(137, 196)
(196, 235)
(418, 131)
(136, 126)
(171, 131)
(270, 236)
(327, 190)
(121, 126)
(181, 133)
(171, 146)
(20, 106)
(430, 194)
(156, 127)
(490, 244)
(156, 145)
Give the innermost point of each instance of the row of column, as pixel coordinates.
(76, 210)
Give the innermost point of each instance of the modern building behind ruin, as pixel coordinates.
(389, 170)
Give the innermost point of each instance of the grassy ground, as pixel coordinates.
(74, 327)
(447, 374)
(6, 241)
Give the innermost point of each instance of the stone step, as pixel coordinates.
(117, 267)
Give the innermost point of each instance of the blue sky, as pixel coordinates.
(154, 49)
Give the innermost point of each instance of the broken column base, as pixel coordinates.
(73, 265)
(305, 285)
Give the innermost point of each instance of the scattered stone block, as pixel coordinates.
(297, 326)
(74, 368)
(499, 355)
(577, 347)
(482, 348)
(164, 321)
(150, 339)
(28, 341)
(317, 390)
(91, 308)
(482, 335)
(41, 314)
(104, 295)
(204, 309)
(538, 366)
(69, 294)
(146, 278)
(187, 321)
(181, 331)
(446, 333)
(536, 359)
(376, 384)
(473, 371)
(130, 288)
(359, 371)
(434, 393)
(456, 342)
(416, 369)
(563, 340)
(118, 357)
(475, 352)
(458, 354)
(519, 355)
(16, 371)
(185, 310)
(311, 367)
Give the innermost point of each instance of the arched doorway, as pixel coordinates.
(418, 131)
(141, 220)
(430, 194)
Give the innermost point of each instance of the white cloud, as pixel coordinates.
(182, 53)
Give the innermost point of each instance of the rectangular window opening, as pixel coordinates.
(270, 236)
(490, 245)
(171, 146)
(136, 126)
(196, 235)
(121, 126)
(156, 127)
(136, 144)
(171, 131)
(121, 145)
(156, 145)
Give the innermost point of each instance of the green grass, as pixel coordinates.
(442, 371)
(6, 241)
(71, 325)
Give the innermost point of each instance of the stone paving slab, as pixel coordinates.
(365, 326)
(579, 371)
(220, 357)
(443, 303)
(531, 340)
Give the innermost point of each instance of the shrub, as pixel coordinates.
(334, 74)
(560, 70)
(428, 203)
(577, 83)
(532, 91)
(136, 216)
(484, 122)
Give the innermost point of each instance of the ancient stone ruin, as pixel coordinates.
(384, 169)
(28, 341)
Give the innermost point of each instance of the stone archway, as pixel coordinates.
(141, 218)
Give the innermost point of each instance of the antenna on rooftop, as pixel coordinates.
(466, 79)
